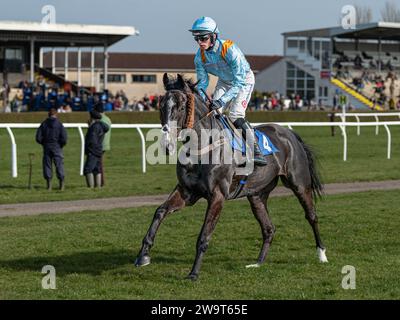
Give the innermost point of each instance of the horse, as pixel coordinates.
(294, 164)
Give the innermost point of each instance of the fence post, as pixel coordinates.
(14, 167)
(143, 149)
(82, 149)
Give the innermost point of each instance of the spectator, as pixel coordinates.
(94, 149)
(5, 92)
(107, 138)
(53, 137)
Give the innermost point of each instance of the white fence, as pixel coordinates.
(139, 127)
(376, 116)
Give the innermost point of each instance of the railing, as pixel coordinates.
(376, 116)
(139, 127)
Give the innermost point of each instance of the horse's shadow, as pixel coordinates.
(4, 186)
(91, 263)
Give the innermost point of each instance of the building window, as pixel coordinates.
(299, 82)
(292, 43)
(147, 78)
(116, 78)
(13, 54)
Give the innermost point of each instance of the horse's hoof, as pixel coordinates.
(322, 255)
(142, 261)
(192, 277)
(257, 265)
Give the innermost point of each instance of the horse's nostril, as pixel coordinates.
(165, 129)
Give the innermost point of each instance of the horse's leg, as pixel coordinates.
(260, 211)
(305, 197)
(176, 201)
(214, 208)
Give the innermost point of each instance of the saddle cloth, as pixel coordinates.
(264, 142)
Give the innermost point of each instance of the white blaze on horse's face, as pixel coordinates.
(169, 135)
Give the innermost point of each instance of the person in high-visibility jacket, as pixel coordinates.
(224, 59)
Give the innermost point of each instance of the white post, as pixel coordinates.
(53, 61)
(41, 58)
(105, 67)
(344, 134)
(358, 127)
(66, 64)
(143, 150)
(32, 75)
(79, 66)
(377, 127)
(379, 54)
(14, 168)
(92, 57)
(82, 150)
(389, 145)
(344, 118)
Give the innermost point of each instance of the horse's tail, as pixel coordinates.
(316, 183)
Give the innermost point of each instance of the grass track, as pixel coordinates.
(93, 253)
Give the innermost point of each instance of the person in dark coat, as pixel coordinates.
(53, 137)
(94, 149)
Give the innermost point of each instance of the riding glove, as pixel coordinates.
(217, 104)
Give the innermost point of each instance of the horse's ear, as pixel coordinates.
(183, 84)
(181, 81)
(165, 80)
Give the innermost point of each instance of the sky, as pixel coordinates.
(255, 25)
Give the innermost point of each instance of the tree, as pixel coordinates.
(363, 14)
(390, 12)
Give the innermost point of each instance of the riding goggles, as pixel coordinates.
(201, 38)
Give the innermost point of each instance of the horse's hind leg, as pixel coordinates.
(305, 197)
(176, 201)
(260, 211)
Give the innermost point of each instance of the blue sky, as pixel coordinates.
(256, 25)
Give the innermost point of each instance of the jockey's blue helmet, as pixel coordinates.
(203, 26)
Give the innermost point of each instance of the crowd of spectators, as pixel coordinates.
(42, 96)
(275, 101)
(363, 72)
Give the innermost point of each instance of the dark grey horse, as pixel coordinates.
(294, 164)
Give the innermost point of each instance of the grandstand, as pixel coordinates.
(362, 63)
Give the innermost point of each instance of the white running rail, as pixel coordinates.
(139, 127)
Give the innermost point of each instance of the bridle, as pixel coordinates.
(190, 113)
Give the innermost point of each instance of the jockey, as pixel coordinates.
(224, 59)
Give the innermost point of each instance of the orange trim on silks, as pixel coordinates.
(225, 46)
(190, 111)
(203, 56)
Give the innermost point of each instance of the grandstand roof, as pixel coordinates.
(62, 35)
(148, 61)
(371, 31)
(382, 30)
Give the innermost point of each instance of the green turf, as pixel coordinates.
(366, 162)
(93, 253)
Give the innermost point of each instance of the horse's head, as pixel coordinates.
(176, 110)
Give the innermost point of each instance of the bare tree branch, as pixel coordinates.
(364, 14)
(390, 12)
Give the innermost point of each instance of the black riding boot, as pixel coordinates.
(246, 127)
